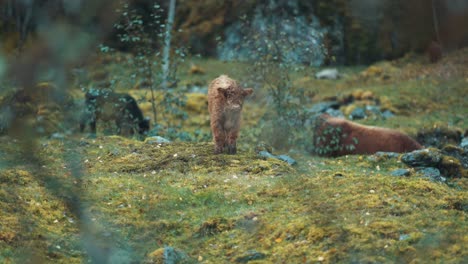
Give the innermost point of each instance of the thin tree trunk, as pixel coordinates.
(25, 24)
(153, 99)
(167, 43)
(435, 21)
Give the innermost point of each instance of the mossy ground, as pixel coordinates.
(139, 197)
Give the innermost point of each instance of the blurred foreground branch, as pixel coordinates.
(60, 40)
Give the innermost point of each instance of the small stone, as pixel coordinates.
(464, 143)
(404, 237)
(168, 255)
(331, 74)
(287, 159)
(358, 113)
(400, 172)
(433, 174)
(265, 154)
(249, 256)
(322, 107)
(387, 114)
(422, 158)
(335, 112)
(390, 155)
(57, 136)
(157, 140)
(374, 109)
(263, 146)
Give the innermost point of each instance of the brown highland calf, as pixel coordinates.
(338, 137)
(225, 99)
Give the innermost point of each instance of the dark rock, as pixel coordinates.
(439, 136)
(454, 163)
(374, 109)
(464, 143)
(335, 112)
(358, 113)
(430, 172)
(167, 255)
(382, 155)
(287, 159)
(401, 172)
(252, 39)
(451, 161)
(263, 146)
(315, 112)
(114, 152)
(422, 158)
(250, 255)
(174, 256)
(433, 174)
(451, 167)
(322, 107)
(459, 153)
(389, 155)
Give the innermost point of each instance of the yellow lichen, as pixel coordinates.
(197, 103)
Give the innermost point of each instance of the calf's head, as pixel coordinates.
(235, 97)
(144, 126)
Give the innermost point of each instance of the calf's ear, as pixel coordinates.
(247, 91)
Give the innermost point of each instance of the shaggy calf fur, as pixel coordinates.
(338, 137)
(225, 100)
(109, 106)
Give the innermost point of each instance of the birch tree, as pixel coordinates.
(167, 44)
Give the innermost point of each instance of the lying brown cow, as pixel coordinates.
(338, 137)
(225, 100)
